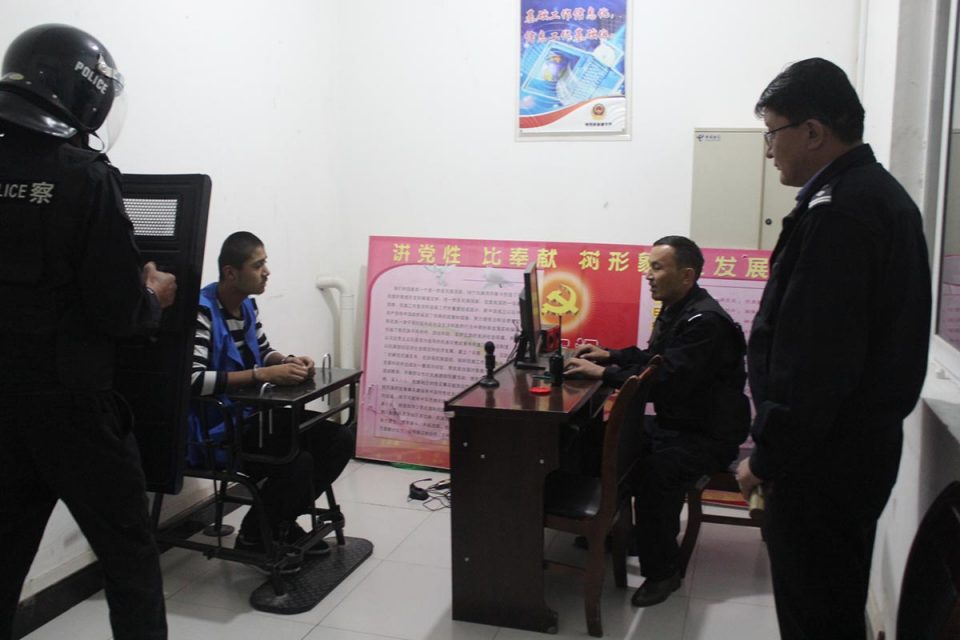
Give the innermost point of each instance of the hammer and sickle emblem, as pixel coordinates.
(558, 304)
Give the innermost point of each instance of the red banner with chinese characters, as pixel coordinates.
(433, 302)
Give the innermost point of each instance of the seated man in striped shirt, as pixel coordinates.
(231, 350)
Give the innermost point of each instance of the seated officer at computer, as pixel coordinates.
(702, 414)
(231, 350)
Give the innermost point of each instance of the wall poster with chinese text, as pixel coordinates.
(432, 303)
(573, 68)
(948, 326)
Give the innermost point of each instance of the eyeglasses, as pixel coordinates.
(768, 135)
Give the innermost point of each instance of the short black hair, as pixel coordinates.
(815, 89)
(236, 249)
(686, 251)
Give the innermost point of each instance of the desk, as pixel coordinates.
(503, 443)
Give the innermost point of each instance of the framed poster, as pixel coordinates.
(432, 303)
(572, 69)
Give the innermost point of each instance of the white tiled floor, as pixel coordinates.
(403, 591)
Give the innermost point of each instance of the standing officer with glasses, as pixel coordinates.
(71, 284)
(837, 353)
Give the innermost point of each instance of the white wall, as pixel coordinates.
(324, 122)
(880, 22)
(440, 157)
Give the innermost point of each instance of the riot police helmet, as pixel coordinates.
(59, 80)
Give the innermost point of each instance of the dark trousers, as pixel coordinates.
(76, 448)
(820, 564)
(819, 527)
(292, 488)
(670, 462)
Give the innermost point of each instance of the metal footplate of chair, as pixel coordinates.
(318, 576)
(279, 557)
(281, 593)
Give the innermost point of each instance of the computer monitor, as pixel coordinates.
(528, 349)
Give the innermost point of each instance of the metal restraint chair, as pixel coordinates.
(725, 481)
(598, 507)
(227, 469)
(169, 216)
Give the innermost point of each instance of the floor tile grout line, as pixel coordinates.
(365, 633)
(409, 536)
(733, 602)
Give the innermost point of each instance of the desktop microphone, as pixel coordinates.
(490, 361)
(557, 362)
(556, 369)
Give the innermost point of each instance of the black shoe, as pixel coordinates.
(296, 533)
(653, 592)
(255, 545)
(245, 543)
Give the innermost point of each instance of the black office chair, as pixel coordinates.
(597, 507)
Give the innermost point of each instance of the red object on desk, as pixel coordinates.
(540, 391)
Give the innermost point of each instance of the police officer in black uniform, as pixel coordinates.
(71, 284)
(838, 352)
(702, 414)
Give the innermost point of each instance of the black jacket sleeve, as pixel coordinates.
(115, 299)
(623, 364)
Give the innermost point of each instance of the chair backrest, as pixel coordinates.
(621, 433)
(169, 215)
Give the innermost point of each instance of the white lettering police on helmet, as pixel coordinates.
(96, 80)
